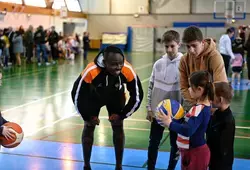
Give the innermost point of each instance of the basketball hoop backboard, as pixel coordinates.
(230, 10)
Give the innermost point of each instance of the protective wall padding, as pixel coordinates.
(114, 38)
(143, 39)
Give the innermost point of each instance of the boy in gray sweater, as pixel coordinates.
(164, 84)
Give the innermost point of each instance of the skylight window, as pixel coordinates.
(73, 5)
(57, 4)
(12, 1)
(37, 3)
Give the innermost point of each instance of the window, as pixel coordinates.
(73, 5)
(57, 4)
(12, 1)
(37, 3)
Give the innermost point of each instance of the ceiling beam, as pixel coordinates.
(38, 10)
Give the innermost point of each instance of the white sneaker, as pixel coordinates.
(39, 64)
(53, 62)
(47, 63)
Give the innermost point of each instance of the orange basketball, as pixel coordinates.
(18, 133)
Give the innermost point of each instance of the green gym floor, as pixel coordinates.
(38, 98)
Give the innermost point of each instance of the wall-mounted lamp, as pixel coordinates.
(136, 15)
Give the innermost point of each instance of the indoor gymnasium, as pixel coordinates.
(77, 78)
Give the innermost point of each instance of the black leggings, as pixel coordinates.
(118, 141)
(156, 133)
(226, 59)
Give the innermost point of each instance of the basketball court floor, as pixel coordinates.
(38, 98)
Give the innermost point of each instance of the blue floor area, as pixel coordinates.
(45, 155)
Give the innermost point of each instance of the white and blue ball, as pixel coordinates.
(170, 107)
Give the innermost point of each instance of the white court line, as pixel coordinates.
(105, 126)
(128, 119)
(49, 125)
(57, 94)
(143, 66)
(142, 120)
(242, 137)
(145, 80)
(29, 103)
(141, 129)
(53, 123)
(242, 127)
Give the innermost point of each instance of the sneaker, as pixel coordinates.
(53, 62)
(86, 168)
(39, 64)
(47, 63)
(118, 168)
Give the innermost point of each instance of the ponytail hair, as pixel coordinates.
(203, 79)
(210, 90)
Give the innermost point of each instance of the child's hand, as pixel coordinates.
(165, 119)
(150, 116)
(7, 133)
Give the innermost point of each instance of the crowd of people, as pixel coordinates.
(40, 45)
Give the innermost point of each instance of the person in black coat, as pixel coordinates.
(86, 45)
(53, 40)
